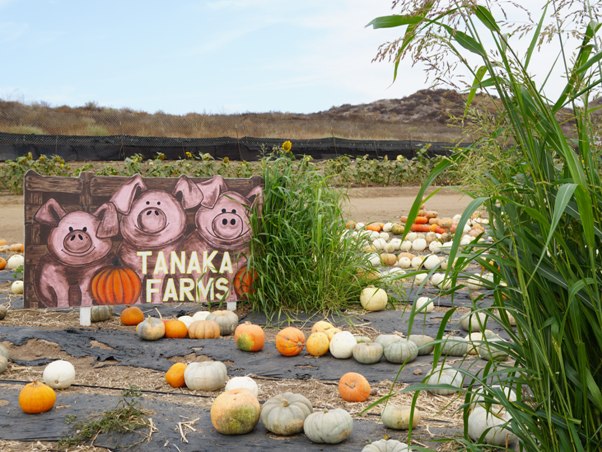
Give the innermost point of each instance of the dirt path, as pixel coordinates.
(364, 204)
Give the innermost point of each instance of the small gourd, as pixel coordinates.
(403, 351)
(17, 287)
(227, 321)
(373, 299)
(367, 352)
(397, 417)
(388, 259)
(330, 427)
(431, 262)
(206, 375)
(285, 413)
(424, 304)
(341, 345)
(15, 261)
(59, 374)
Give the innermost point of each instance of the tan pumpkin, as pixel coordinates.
(203, 329)
(321, 325)
(36, 398)
(235, 412)
(317, 344)
(151, 329)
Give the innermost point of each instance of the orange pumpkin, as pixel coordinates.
(354, 387)
(175, 375)
(17, 248)
(131, 316)
(2, 263)
(249, 337)
(3, 242)
(290, 341)
(317, 343)
(175, 329)
(204, 329)
(116, 285)
(376, 227)
(36, 398)
(243, 282)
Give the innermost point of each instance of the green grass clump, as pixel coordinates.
(297, 248)
(543, 195)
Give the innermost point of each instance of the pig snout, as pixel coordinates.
(78, 241)
(228, 225)
(152, 220)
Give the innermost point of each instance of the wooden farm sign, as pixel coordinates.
(123, 240)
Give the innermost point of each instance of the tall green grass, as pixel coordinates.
(302, 260)
(545, 209)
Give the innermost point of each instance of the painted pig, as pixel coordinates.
(222, 230)
(79, 244)
(151, 222)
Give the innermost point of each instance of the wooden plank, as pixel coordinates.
(35, 182)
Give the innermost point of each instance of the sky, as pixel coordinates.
(204, 56)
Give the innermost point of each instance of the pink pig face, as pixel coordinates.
(74, 241)
(154, 219)
(226, 224)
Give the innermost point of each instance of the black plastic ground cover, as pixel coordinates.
(52, 426)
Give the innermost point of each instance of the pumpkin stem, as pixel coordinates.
(160, 316)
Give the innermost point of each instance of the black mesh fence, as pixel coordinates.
(118, 147)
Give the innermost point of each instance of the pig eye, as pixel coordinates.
(158, 203)
(223, 210)
(233, 210)
(85, 228)
(147, 203)
(70, 229)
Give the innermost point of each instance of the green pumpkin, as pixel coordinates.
(284, 414)
(331, 427)
(151, 329)
(454, 346)
(403, 351)
(424, 343)
(386, 445)
(101, 313)
(368, 352)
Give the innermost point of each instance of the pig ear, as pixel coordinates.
(188, 192)
(255, 197)
(212, 189)
(50, 213)
(122, 199)
(109, 223)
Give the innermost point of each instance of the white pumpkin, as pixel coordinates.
(419, 244)
(412, 236)
(186, 320)
(424, 343)
(3, 363)
(387, 227)
(243, 383)
(373, 299)
(424, 304)
(200, 315)
(435, 246)
(438, 280)
(59, 374)
(331, 427)
(420, 278)
(387, 445)
(431, 262)
(473, 321)
(385, 235)
(417, 262)
(405, 246)
(397, 417)
(359, 226)
(379, 243)
(393, 245)
(341, 345)
(485, 396)
(386, 339)
(16, 287)
(404, 262)
(15, 261)
(374, 259)
(206, 375)
(494, 422)
(445, 375)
